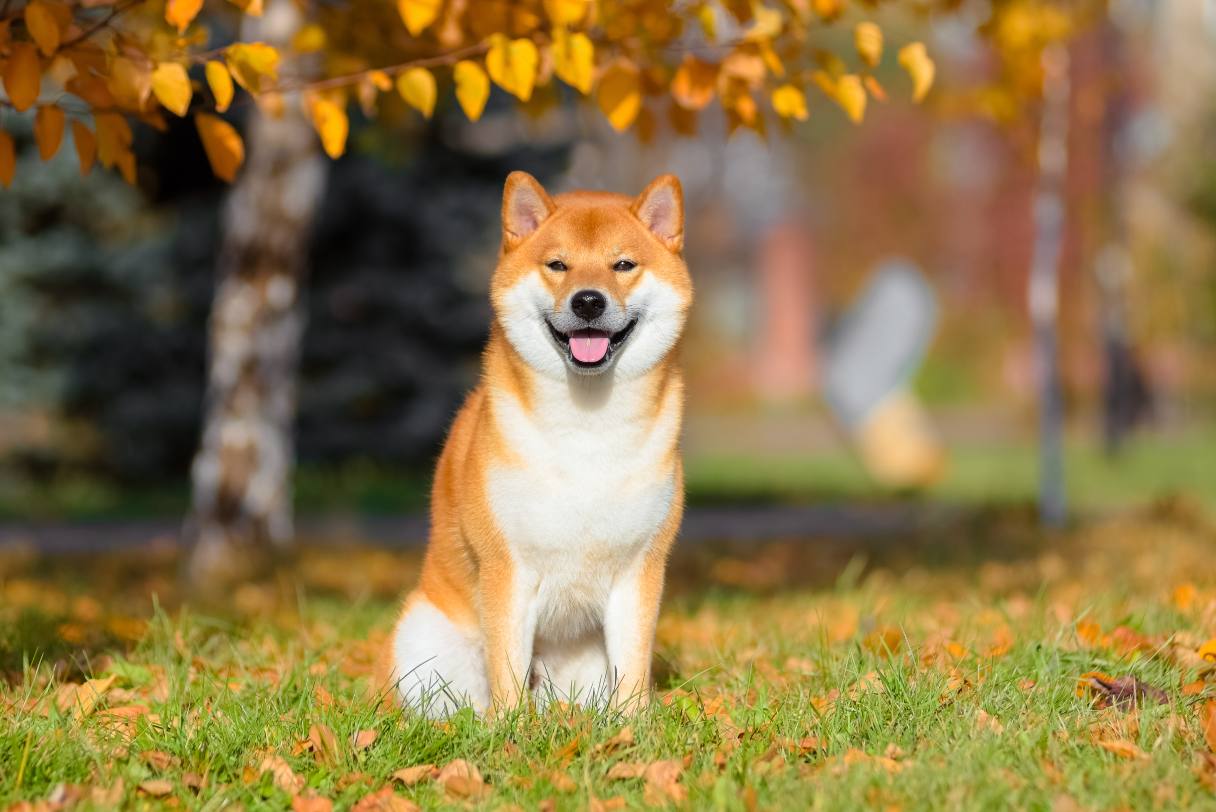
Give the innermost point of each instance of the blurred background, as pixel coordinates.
(862, 353)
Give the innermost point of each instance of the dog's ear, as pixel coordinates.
(525, 205)
(660, 207)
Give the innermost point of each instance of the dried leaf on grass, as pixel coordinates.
(158, 760)
(156, 787)
(1122, 748)
(1207, 716)
(311, 803)
(663, 782)
(409, 776)
(626, 769)
(460, 779)
(624, 738)
(324, 744)
(285, 778)
(1121, 692)
(384, 800)
(81, 700)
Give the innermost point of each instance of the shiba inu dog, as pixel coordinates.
(560, 488)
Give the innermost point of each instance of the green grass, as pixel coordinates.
(936, 673)
(1001, 474)
(1148, 466)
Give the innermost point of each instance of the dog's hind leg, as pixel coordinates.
(438, 666)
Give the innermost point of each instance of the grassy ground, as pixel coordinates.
(998, 472)
(1001, 472)
(934, 672)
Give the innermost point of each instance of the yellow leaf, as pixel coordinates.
(512, 65)
(620, 95)
(867, 38)
(309, 39)
(43, 26)
(875, 89)
(113, 138)
(790, 102)
(744, 107)
(330, 122)
(369, 87)
(574, 59)
(417, 87)
(48, 130)
(8, 159)
(418, 14)
(220, 82)
(1207, 651)
(851, 96)
(709, 21)
(172, 87)
(22, 75)
(380, 80)
(827, 10)
(767, 25)
(86, 146)
(915, 60)
(251, 63)
(693, 85)
(472, 88)
(771, 60)
(222, 144)
(180, 13)
(130, 82)
(566, 12)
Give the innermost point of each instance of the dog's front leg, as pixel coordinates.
(508, 622)
(629, 626)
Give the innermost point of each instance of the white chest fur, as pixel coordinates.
(590, 485)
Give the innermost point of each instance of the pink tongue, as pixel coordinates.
(589, 346)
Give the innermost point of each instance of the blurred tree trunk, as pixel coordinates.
(241, 506)
(1043, 289)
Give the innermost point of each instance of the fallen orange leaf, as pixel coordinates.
(365, 739)
(662, 782)
(460, 779)
(1208, 717)
(324, 744)
(384, 800)
(1122, 748)
(285, 778)
(156, 787)
(626, 769)
(409, 776)
(311, 803)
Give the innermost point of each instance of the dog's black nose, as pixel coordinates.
(588, 304)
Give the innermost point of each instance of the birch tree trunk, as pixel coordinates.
(241, 510)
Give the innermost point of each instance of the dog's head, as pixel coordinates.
(588, 281)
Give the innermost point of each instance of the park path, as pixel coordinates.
(701, 524)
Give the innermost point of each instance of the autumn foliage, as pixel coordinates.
(106, 65)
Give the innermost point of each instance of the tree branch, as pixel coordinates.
(102, 23)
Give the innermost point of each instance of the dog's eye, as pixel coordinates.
(624, 265)
(556, 265)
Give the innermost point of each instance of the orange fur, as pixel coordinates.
(469, 572)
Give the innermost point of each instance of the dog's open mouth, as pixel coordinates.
(591, 348)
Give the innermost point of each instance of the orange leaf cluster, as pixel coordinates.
(638, 62)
